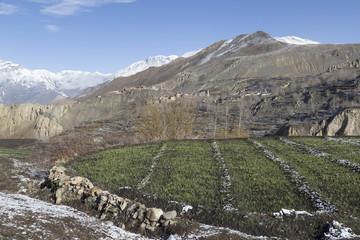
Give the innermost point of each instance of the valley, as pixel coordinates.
(254, 137)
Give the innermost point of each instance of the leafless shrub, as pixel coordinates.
(165, 121)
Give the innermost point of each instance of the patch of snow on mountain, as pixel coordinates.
(142, 65)
(191, 53)
(295, 40)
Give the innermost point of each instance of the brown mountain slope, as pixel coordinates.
(228, 65)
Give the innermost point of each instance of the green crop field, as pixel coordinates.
(339, 185)
(259, 184)
(336, 149)
(116, 168)
(197, 173)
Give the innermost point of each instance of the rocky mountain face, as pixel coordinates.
(252, 81)
(345, 123)
(44, 121)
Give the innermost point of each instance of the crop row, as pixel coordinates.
(342, 162)
(336, 149)
(338, 184)
(258, 183)
(20, 154)
(233, 173)
(188, 172)
(116, 168)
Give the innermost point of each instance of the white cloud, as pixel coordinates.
(71, 7)
(52, 28)
(7, 9)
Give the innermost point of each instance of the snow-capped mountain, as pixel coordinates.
(140, 66)
(295, 40)
(21, 85)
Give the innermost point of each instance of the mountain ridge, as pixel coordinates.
(20, 85)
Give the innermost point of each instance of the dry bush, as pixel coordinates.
(63, 148)
(165, 121)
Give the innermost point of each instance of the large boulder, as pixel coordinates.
(154, 214)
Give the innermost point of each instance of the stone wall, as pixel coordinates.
(112, 209)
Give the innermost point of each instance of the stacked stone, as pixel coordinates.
(109, 205)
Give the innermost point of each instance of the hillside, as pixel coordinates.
(271, 81)
(252, 82)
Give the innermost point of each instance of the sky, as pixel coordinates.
(107, 35)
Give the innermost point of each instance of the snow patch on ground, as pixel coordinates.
(286, 212)
(143, 182)
(339, 140)
(28, 216)
(225, 190)
(338, 231)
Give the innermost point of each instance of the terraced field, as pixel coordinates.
(239, 173)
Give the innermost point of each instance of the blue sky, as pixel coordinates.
(107, 35)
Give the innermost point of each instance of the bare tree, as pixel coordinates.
(165, 121)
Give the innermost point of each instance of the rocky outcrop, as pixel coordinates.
(44, 121)
(112, 208)
(345, 123)
(31, 120)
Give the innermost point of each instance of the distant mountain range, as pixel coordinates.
(20, 85)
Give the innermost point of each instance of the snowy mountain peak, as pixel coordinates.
(142, 65)
(295, 40)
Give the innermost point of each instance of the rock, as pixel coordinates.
(168, 223)
(141, 214)
(64, 181)
(58, 195)
(170, 215)
(110, 223)
(135, 215)
(80, 192)
(345, 123)
(149, 227)
(76, 180)
(56, 173)
(123, 205)
(154, 214)
(143, 226)
(131, 209)
(95, 192)
(103, 216)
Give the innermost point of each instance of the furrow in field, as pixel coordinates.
(314, 152)
(339, 185)
(257, 183)
(188, 172)
(114, 168)
(228, 206)
(337, 149)
(339, 140)
(145, 181)
(315, 197)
